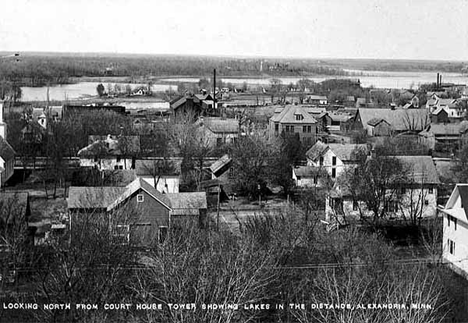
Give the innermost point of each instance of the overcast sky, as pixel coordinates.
(401, 29)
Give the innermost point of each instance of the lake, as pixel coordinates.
(378, 79)
(80, 90)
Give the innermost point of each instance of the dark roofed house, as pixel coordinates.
(193, 106)
(138, 212)
(220, 131)
(399, 120)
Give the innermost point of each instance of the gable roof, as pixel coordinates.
(316, 150)
(345, 152)
(217, 125)
(188, 203)
(220, 163)
(421, 169)
(6, 151)
(288, 115)
(399, 119)
(375, 121)
(448, 129)
(460, 190)
(108, 197)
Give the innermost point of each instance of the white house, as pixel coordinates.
(110, 153)
(334, 158)
(455, 230)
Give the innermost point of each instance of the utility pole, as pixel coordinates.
(217, 215)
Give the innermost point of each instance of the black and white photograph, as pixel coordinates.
(219, 161)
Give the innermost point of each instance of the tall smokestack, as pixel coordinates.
(214, 88)
(440, 81)
(437, 82)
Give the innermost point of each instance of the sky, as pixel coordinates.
(396, 29)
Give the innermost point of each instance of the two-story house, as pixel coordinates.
(295, 120)
(335, 158)
(414, 198)
(219, 131)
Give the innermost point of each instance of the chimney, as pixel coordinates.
(437, 82)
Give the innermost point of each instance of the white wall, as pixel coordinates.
(106, 163)
(460, 237)
(172, 183)
(327, 163)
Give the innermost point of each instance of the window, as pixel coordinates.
(140, 198)
(309, 129)
(95, 159)
(122, 233)
(392, 206)
(402, 190)
(452, 219)
(231, 173)
(304, 128)
(334, 160)
(219, 141)
(118, 158)
(431, 190)
(355, 205)
(118, 167)
(299, 178)
(299, 117)
(451, 245)
(276, 127)
(321, 161)
(333, 172)
(162, 234)
(426, 202)
(316, 130)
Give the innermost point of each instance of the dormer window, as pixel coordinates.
(299, 117)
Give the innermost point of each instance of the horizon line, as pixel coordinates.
(104, 53)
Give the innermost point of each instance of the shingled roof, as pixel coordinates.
(110, 197)
(218, 125)
(288, 115)
(421, 169)
(345, 152)
(399, 119)
(188, 203)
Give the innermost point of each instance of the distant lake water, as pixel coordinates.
(378, 79)
(80, 90)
